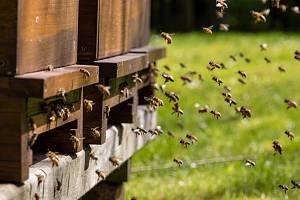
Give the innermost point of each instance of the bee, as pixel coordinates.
(66, 113)
(295, 10)
(208, 30)
(216, 114)
(192, 137)
(285, 188)
(139, 131)
(125, 92)
(200, 77)
(172, 96)
(185, 79)
(182, 65)
(184, 143)
(40, 178)
(213, 65)
(297, 55)
(76, 141)
(58, 185)
(258, 16)
(227, 88)
(219, 14)
(100, 174)
(37, 196)
(268, 61)
(153, 132)
(115, 161)
(242, 73)
(266, 12)
(88, 104)
(277, 147)
(136, 78)
(162, 88)
(250, 163)
(95, 132)
(93, 157)
(167, 67)
(232, 57)
(105, 90)
(246, 112)
(205, 109)
(227, 94)
(290, 134)
(167, 77)
(223, 66)
(283, 8)
(50, 68)
(217, 80)
(224, 27)
(276, 3)
(222, 5)
(106, 111)
(167, 37)
(154, 102)
(290, 104)
(263, 47)
(62, 92)
(85, 72)
(295, 184)
(177, 109)
(230, 101)
(242, 81)
(54, 158)
(192, 73)
(171, 134)
(281, 69)
(241, 54)
(178, 162)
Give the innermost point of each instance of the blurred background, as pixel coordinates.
(191, 15)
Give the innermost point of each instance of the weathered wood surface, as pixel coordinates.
(37, 33)
(153, 53)
(47, 84)
(77, 173)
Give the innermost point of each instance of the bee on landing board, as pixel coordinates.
(85, 72)
(53, 158)
(100, 174)
(115, 161)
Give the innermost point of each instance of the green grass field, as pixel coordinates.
(229, 136)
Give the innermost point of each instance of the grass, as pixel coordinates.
(229, 136)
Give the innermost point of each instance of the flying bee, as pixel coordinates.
(247, 60)
(167, 67)
(241, 54)
(230, 101)
(223, 66)
(167, 77)
(224, 27)
(217, 80)
(242, 73)
(88, 104)
(167, 37)
(153, 132)
(268, 60)
(171, 134)
(85, 72)
(246, 112)
(182, 65)
(283, 8)
(159, 130)
(258, 17)
(136, 78)
(290, 104)
(200, 77)
(139, 131)
(100, 174)
(266, 12)
(184, 143)
(53, 158)
(232, 57)
(295, 184)
(221, 5)
(76, 141)
(263, 46)
(115, 161)
(176, 109)
(204, 109)
(40, 178)
(208, 30)
(281, 69)
(178, 162)
(95, 132)
(192, 137)
(154, 102)
(285, 188)
(185, 79)
(249, 163)
(172, 96)
(93, 157)
(219, 14)
(213, 65)
(227, 88)
(295, 10)
(105, 90)
(242, 81)
(216, 114)
(192, 73)
(297, 55)
(276, 3)
(290, 134)
(277, 147)
(227, 94)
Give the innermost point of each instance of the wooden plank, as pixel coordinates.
(106, 191)
(154, 53)
(47, 84)
(77, 174)
(37, 33)
(120, 66)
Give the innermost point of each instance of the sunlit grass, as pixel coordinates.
(230, 136)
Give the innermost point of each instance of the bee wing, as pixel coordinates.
(211, 27)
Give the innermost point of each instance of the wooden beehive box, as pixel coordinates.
(36, 34)
(111, 27)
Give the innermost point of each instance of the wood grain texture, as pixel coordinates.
(77, 174)
(46, 84)
(37, 33)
